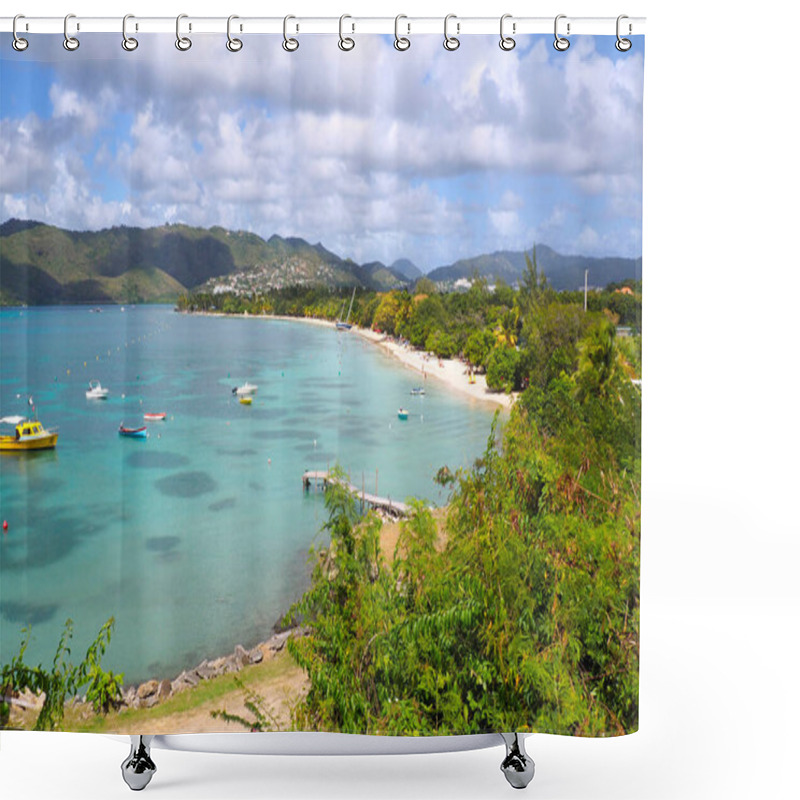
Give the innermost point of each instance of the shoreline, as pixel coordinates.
(151, 692)
(450, 371)
(145, 694)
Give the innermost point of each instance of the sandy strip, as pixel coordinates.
(323, 323)
(449, 370)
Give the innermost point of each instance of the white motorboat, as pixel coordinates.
(245, 390)
(96, 391)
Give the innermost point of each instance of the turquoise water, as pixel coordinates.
(197, 538)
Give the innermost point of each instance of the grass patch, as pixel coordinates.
(211, 692)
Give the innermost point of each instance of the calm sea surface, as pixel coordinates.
(197, 538)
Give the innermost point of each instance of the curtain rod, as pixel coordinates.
(459, 26)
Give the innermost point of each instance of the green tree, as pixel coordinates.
(504, 295)
(425, 286)
(64, 679)
(386, 314)
(478, 346)
(597, 362)
(506, 330)
(534, 289)
(503, 369)
(441, 344)
(427, 315)
(551, 335)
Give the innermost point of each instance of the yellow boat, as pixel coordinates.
(246, 400)
(29, 434)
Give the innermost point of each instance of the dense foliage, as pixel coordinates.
(56, 684)
(524, 613)
(514, 336)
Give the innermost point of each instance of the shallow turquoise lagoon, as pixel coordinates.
(197, 538)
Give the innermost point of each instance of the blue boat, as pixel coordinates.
(134, 433)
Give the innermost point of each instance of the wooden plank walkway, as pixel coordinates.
(313, 478)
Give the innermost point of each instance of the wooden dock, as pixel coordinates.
(321, 478)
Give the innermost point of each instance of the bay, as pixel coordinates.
(197, 538)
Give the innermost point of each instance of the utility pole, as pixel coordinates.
(585, 289)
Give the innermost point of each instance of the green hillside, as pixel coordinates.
(42, 264)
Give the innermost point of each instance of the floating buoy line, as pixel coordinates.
(112, 353)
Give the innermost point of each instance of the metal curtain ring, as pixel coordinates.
(401, 42)
(506, 42)
(183, 43)
(623, 45)
(345, 42)
(561, 43)
(128, 42)
(234, 45)
(70, 42)
(450, 42)
(19, 44)
(289, 45)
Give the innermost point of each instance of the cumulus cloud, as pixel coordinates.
(426, 154)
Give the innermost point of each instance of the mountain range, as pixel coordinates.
(41, 264)
(563, 272)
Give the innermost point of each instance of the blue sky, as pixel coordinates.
(427, 154)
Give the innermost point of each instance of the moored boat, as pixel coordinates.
(134, 433)
(402, 413)
(96, 391)
(346, 325)
(246, 400)
(418, 391)
(29, 434)
(244, 390)
(155, 417)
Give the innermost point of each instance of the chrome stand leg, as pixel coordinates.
(138, 768)
(517, 766)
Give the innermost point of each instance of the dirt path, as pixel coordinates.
(279, 694)
(390, 532)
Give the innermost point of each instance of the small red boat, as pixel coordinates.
(155, 417)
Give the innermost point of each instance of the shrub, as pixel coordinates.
(503, 369)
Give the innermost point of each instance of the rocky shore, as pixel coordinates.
(152, 692)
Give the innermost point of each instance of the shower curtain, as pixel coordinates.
(321, 382)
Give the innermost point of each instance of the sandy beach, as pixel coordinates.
(451, 371)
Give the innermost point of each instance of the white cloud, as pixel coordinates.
(67, 102)
(588, 241)
(506, 223)
(356, 150)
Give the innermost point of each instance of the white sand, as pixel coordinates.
(449, 370)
